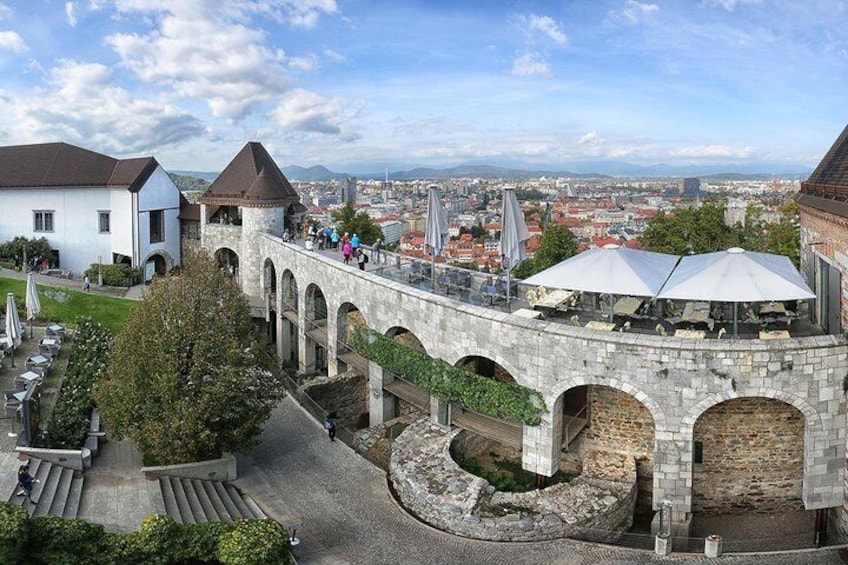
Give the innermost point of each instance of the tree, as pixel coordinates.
(557, 244)
(348, 220)
(782, 237)
(187, 377)
(690, 230)
(35, 247)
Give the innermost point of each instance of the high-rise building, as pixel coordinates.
(348, 190)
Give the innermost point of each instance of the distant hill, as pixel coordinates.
(199, 174)
(319, 173)
(190, 183)
(312, 174)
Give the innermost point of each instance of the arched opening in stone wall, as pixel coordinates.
(410, 400)
(228, 261)
(347, 320)
(486, 367)
(315, 330)
(269, 295)
(598, 419)
(748, 457)
(288, 333)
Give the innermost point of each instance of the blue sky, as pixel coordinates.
(361, 85)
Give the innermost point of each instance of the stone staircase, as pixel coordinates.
(195, 501)
(58, 493)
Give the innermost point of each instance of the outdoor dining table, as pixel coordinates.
(21, 381)
(696, 312)
(602, 326)
(49, 346)
(627, 306)
(690, 334)
(555, 298)
(772, 308)
(527, 313)
(775, 334)
(57, 330)
(38, 364)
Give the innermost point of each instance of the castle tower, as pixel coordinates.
(250, 197)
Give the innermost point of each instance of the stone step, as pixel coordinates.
(182, 501)
(215, 498)
(47, 492)
(60, 497)
(238, 501)
(170, 499)
(157, 498)
(232, 509)
(75, 493)
(254, 508)
(202, 497)
(195, 507)
(11, 483)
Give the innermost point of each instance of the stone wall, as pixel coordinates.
(618, 423)
(431, 485)
(753, 452)
(677, 380)
(346, 394)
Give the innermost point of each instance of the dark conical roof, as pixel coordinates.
(252, 179)
(833, 168)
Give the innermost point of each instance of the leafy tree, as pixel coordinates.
(782, 237)
(690, 230)
(477, 232)
(34, 247)
(557, 244)
(348, 220)
(187, 377)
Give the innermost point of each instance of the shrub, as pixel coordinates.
(54, 541)
(255, 542)
(113, 275)
(34, 247)
(13, 533)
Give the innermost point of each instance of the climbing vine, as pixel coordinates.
(493, 398)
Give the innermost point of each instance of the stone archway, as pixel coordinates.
(288, 345)
(157, 264)
(315, 344)
(228, 261)
(407, 338)
(486, 367)
(268, 285)
(748, 456)
(348, 319)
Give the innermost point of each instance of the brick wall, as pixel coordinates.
(830, 234)
(752, 457)
(619, 423)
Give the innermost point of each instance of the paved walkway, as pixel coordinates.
(133, 293)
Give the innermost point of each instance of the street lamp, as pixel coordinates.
(99, 270)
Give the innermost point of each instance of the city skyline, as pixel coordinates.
(749, 85)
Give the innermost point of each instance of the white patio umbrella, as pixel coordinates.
(437, 227)
(13, 324)
(514, 234)
(736, 276)
(33, 304)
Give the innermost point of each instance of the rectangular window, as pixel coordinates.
(42, 220)
(698, 452)
(104, 221)
(157, 226)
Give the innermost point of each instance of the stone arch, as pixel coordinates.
(288, 340)
(657, 413)
(162, 260)
(268, 287)
(348, 318)
(408, 338)
(288, 288)
(811, 416)
(497, 358)
(228, 261)
(315, 319)
(748, 456)
(485, 366)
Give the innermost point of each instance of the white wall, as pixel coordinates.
(75, 222)
(159, 193)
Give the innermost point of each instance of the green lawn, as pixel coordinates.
(65, 305)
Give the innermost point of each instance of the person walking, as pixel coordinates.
(375, 251)
(361, 258)
(25, 482)
(86, 283)
(330, 425)
(347, 251)
(354, 242)
(334, 237)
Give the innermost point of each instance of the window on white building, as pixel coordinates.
(157, 226)
(104, 222)
(42, 220)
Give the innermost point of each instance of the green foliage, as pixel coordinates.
(187, 183)
(500, 400)
(348, 220)
(113, 275)
(70, 418)
(477, 232)
(557, 244)
(54, 541)
(255, 542)
(34, 247)
(690, 230)
(189, 377)
(531, 194)
(13, 533)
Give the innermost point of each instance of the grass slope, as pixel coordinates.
(65, 305)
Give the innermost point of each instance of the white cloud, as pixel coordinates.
(305, 111)
(69, 12)
(306, 63)
(589, 138)
(547, 26)
(11, 41)
(632, 13)
(82, 106)
(531, 64)
(334, 56)
(5, 11)
(220, 61)
(709, 151)
(731, 5)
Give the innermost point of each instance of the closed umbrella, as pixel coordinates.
(514, 234)
(13, 324)
(437, 227)
(33, 304)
